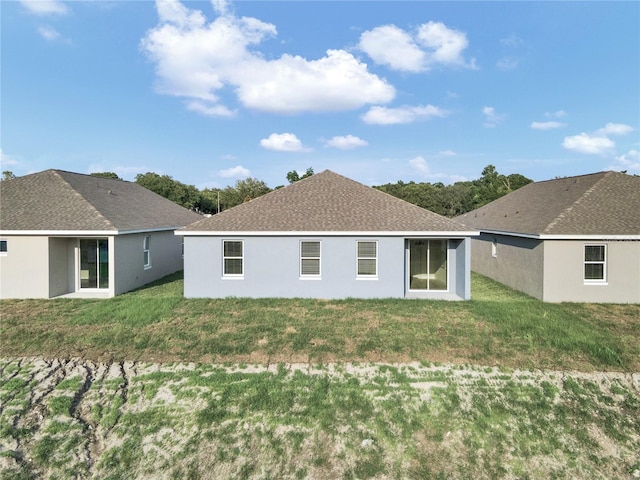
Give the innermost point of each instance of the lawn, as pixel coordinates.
(149, 385)
(498, 327)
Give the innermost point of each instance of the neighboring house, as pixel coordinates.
(64, 233)
(327, 236)
(574, 239)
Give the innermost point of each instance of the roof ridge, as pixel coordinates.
(86, 200)
(564, 213)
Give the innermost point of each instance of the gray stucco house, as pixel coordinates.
(64, 233)
(327, 236)
(574, 239)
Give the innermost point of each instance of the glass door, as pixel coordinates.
(427, 264)
(94, 263)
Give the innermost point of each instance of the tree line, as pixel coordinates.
(448, 200)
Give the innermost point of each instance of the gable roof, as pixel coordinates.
(322, 204)
(55, 200)
(605, 203)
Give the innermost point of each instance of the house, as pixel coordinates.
(327, 236)
(63, 233)
(574, 239)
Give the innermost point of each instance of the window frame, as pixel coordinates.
(603, 262)
(234, 257)
(313, 276)
(366, 276)
(146, 252)
(4, 251)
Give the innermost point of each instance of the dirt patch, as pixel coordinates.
(63, 418)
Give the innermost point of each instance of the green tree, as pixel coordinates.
(111, 175)
(186, 195)
(7, 175)
(294, 176)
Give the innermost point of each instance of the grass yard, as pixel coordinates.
(498, 327)
(149, 385)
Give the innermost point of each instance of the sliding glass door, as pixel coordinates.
(94, 263)
(428, 264)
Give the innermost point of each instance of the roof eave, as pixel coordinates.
(289, 233)
(547, 236)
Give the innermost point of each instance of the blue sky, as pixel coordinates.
(212, 92)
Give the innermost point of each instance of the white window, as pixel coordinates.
(3, 246)
(146, 249)
(367, 258)
(310, 259)
(595, 263)
(232, 258)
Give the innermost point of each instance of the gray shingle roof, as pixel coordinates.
(326, 202)
(605, 203)
(59, 200)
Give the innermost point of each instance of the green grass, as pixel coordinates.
(498, 326)
(367, 421)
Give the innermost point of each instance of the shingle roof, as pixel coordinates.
(65, 201)
(326, 202)
(605, 203)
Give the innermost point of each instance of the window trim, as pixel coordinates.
(366, 276)
(241, 257)
(5, 251)
(311, 276)
(585, 262)
(146, 252)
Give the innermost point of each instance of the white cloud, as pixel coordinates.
(491, 117)
(45, 7)
(6, 160)
(446, 45)
(598, 142)
(507, 63)
(447, 153)
(512, 41)
(392, 46)
(629, 161)
(346, 142)
(50, 34)
(432, 44)
(615, 129)
(197, 59)
(235, 172)
(420, 165)
(406, 114)
(591, 144)
(283, 142)
(550, 125)
(210, 110)
(556, 114)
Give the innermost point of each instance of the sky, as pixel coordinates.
(212, 92)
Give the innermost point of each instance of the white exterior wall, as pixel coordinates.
(564, 272)
(272, 269)
(24, 269)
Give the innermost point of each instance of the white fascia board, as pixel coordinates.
(204, 233)
(81, 233)
(560, 237)
(590, 237)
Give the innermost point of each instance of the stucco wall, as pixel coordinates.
(24, 269)
(518, 262)
(61, 265)
(166, 258)
(272, 269)
(564, 273)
